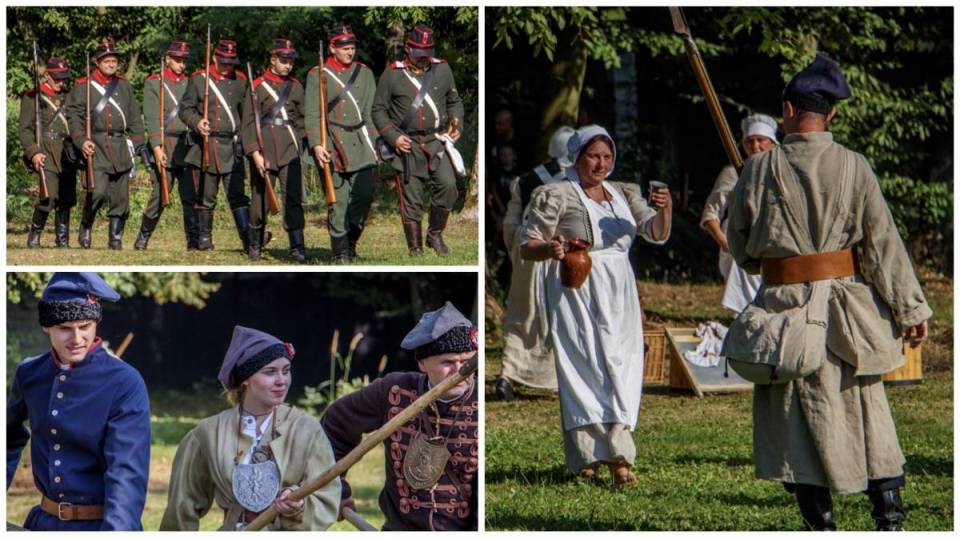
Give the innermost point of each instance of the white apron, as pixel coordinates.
(596, 331)
(740, 287)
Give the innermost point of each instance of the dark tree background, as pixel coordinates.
(143, 34)
(556, 66)
(182, 322)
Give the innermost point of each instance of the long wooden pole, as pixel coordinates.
(162, 170)
(328, 191)
(719, 120)
(358, 521)
(37, 125)
(369, 442)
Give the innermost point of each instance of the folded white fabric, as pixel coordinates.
(707, 353)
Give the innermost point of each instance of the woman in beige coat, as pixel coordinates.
(256, 453)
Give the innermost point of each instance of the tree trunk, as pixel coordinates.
(562, 104)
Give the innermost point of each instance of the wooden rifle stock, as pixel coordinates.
(328, 190)
(680, 28)
(370, 441)
(88, 133)
(162, 170)
(38, 126)
(273, 205)
(206, 103)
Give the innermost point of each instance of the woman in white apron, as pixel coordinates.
(253, 455)
(759, 135)
(596, 329)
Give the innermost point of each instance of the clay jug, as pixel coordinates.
(576, 263)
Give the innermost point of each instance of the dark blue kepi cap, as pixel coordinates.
(72, 296)
(818, 86)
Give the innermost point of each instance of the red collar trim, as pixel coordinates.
(273, 77)
(214, 74)
(333, 63)
(101, 78)
(48, 90)
(59, 365)
(170, 75)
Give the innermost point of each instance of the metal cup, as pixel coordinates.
(655, 185)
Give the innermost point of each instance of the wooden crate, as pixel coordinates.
(655, 356)
(912, 370)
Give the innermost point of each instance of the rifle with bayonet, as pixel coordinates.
(273, 205)
(206, 103)
(38, 126)
(88, 133)
(680, 28)
(162, 170)
(328, 191)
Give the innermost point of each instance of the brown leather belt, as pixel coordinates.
(809, 268)
(69, 511)
(249, 516)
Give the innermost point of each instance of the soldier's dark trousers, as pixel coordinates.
(62, 189)
(346, 217)
(113, 190)
(288, 184)
(209, 188)
(441, 186)
(183, 180)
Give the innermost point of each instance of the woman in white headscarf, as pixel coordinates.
(596, 330)
(759, 135)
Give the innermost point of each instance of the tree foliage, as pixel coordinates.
(167, 287)
(897, 60)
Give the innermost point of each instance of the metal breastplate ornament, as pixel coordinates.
(425, 461)
(256, 485)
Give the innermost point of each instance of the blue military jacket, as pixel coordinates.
(91, 437)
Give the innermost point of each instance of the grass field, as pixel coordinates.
(382, 243)
(366, 477)
(694, 461)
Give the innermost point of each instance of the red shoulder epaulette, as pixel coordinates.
(240, 74)
(312, 69)
(257, 81)
(438, 61)
(397, 65)
(81, 80)
(154, 76)
(296, 81)
(198, 72)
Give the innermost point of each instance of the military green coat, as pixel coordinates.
(283, 138)
(53, 125)
(119, 122)
(224, 116)
(174, 88)
(350, 122)
(395, 94)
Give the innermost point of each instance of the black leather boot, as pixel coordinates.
(297, 249)
(205, 218)
(62, 227)
(86, 223)
(147, 226)
(254, 242)
(191, 229)
(354, 236)
(413, 232)
(116, 233)
(341, 249)
(241, 216)
(438, 222)
(888, 511)
(505, 389)
(36, 227)
(816, 508)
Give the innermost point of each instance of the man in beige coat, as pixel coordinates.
(811, 216)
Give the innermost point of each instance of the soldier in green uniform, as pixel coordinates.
(350, 91)
(279, 98)
(51, 155)
(174, 85)
(413, 125)
(222, 130)
(117, 130)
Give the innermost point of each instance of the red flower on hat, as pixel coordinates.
(290, 350)
(473, 336)
(91, 298)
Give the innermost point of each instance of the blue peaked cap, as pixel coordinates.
(818, 86)
(78, 286)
